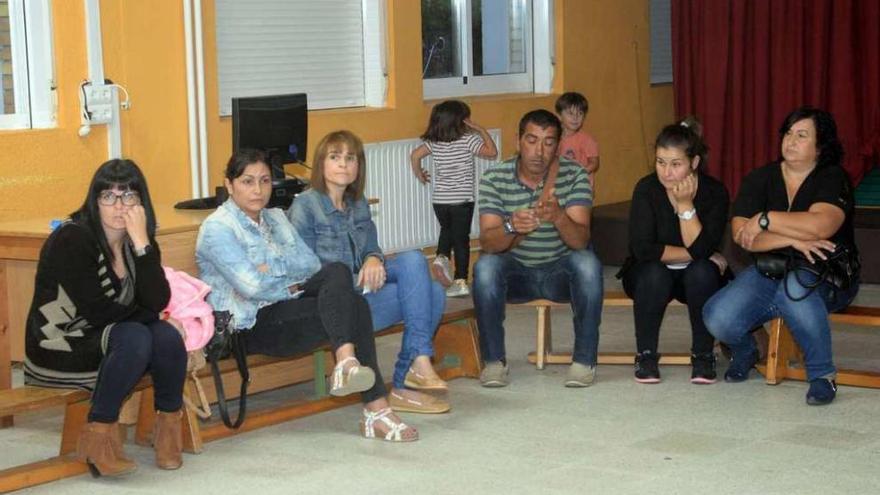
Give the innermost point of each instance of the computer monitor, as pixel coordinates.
(276, 124)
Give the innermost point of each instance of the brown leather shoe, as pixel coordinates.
(168, 439)
(95, 447)
(423, 404)
(417, 381)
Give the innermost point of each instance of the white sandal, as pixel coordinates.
(395, 429)
(357, 379)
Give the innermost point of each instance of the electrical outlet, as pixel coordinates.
(98, 103)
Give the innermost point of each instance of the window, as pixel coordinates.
(332, 50)
(661, 42)
(26, 82)
(472, 47)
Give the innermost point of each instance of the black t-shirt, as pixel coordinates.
(764, 190)
(653, 223)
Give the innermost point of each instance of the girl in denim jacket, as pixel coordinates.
(283, 299)
(333, 218)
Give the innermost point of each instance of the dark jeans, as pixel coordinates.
(329, 310)
(455, 234)
(652, 285)
(575, 277)
(132, 349)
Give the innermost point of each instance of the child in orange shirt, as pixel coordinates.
(576, 143)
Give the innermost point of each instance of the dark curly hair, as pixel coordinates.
(827, 143)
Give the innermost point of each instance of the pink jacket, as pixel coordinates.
(188, 306)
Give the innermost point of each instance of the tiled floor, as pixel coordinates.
(536, 436)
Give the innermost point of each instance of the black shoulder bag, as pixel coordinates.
(225, 342)
(841, 268)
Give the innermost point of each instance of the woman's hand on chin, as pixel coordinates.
(372, 274)
(136, 226)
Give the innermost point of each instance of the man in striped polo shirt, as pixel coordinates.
(535, 235)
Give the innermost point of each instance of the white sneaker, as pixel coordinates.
(459, 288)
(440, 267)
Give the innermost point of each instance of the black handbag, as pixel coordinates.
(225, 342)
(840, 269)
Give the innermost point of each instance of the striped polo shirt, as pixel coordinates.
(454, 169)
(502, 193)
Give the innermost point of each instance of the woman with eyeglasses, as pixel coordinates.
(96, 323)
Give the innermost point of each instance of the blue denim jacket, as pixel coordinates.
(231, 246)
(347, 236)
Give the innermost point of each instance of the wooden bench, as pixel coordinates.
(785, 360)
(456, 355)
(544, 340)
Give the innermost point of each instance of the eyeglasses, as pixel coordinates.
(129, 198)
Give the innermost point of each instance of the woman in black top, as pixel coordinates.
(95, 320)
(677, 219)
(802, 201)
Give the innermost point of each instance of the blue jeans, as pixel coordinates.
(575, 277)
(410, 295)
(752, 299)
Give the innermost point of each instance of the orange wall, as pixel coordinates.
(602, 50)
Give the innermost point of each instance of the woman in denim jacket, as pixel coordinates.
(333, 218)
(281, 297)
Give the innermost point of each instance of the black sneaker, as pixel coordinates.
(703, 368)
(740, 365)
(822, 391)
(646, 367)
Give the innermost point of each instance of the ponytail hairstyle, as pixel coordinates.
(446, 123)
(686, 135)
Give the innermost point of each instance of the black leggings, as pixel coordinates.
(133, 349)
(652, 285)
(455, 233)
(329, 310)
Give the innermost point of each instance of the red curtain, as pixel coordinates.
(741, 65)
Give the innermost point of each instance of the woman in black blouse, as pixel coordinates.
(95, 320)
(677, 219)
(802, 201)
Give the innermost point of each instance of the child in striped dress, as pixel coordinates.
(453, 139)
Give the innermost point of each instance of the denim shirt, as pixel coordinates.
(231, 246)
(347, 236)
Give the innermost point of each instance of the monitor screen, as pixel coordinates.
(276, 124)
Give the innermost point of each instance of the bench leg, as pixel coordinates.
(76, 415)
(543, 335)
(143, 432)
(780, 350)
(320, 362)
(192, 434)
(457, 350)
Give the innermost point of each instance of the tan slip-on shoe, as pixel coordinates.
(424, 404)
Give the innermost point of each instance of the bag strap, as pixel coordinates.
(240, 353)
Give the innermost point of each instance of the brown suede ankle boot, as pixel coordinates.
(117, 440)
(168, 439)
(95, 447)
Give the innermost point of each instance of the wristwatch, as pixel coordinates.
(688, 214)
(508, 226)
(764, 221)
(143, 251)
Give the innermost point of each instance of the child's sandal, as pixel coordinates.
(398, 431)
(356, 379)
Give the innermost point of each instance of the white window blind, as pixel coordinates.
(267, 47)
(661, 42)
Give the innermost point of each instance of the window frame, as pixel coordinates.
(30, 30)
(373, 78)
(539, 57)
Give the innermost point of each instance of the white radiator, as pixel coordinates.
(404, 215)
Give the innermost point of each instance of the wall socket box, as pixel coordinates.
(99, 103)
